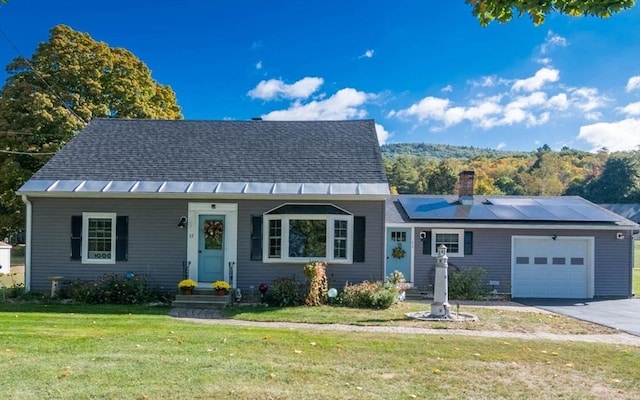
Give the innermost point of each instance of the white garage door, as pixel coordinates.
(546, 268)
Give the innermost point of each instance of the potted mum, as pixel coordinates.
(221, 287)
(186, 286)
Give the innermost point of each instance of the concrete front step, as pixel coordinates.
(201, 301)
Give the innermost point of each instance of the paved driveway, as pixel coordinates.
(621, 314)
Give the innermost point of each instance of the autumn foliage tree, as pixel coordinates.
(599, 177)
(46, 99)
(504, 10)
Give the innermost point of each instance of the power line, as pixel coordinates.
(23, 153)
(10, 133)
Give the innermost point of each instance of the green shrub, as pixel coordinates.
(115, 289)
(467, 284)
(284, 292)
(369, 295)
(16, 290)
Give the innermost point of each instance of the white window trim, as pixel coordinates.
(459, 232)
(85, 237)
(284, 251)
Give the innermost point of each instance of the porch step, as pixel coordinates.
(201, 299)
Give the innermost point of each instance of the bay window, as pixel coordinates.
(296, 233)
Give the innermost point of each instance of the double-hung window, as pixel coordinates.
(451, 238)
(300, 233)
(98, 238)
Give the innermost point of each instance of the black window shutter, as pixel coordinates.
(468, 243)
(256, 238)
(122, 238)
(76, 237)
(426, 243)
(359, 225)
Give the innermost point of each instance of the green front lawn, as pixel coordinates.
(130, 352)
(489, 318)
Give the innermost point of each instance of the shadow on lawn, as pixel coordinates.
(51, 306)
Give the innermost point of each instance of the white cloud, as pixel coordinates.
(259, 65)
(592, 116)
(537, 81)
(383, 134)
(447, 89)
(482, 112)
(587, 99)
(633, 83)
(553, 40)
(428, 108)
(485, 113)
(559, 101)
(528, 101)
(258, 44)
(543, 61)
(347, 103)
(501, 145)
(367, 54)
(615, 136)
(485, 81)
(632, 110)
(275, 88)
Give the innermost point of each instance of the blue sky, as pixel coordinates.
(424, 70)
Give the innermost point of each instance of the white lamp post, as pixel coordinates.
(440, 307)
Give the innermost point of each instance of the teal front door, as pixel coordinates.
(399, 252)
(211, 248)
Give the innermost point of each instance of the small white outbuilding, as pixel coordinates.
(5, 258)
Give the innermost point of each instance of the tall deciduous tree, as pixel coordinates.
(504, 10)
(618, 183)
(443, 181)
(46, 99)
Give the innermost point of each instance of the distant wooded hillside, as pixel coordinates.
(601, 177)
(442, 151)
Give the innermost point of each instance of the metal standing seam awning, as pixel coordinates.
(42, 186)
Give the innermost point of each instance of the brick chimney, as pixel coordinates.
(465, 187)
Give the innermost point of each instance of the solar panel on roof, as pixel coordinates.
(535, 212)
(523, 209)
(427, 207)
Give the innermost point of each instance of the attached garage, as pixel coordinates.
(552, 267)
(529, 246)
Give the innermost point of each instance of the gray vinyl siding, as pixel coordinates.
(158, 248)
(492, 251)
(614, 264)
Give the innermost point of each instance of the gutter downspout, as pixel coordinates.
(27, 251)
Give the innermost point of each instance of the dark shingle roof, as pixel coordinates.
(220, 151)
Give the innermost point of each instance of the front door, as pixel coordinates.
(399, 252)
(211, 248)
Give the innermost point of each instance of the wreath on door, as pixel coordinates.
(213, 234)
(398, 252)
